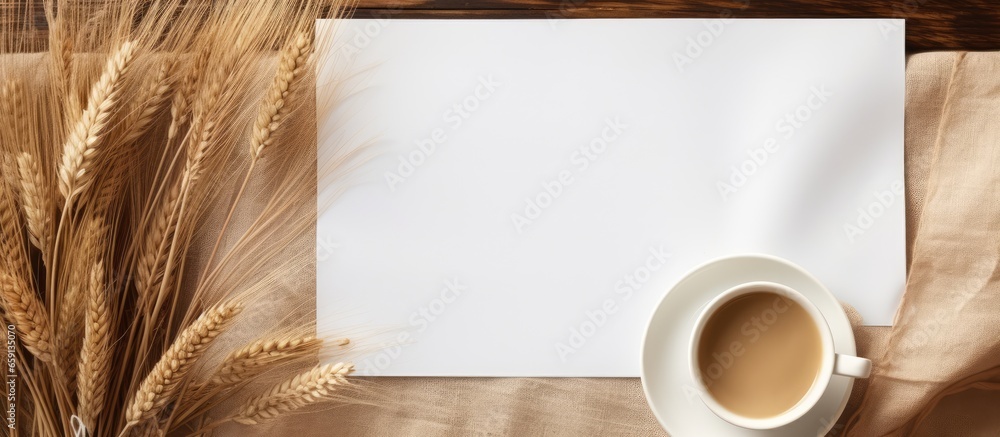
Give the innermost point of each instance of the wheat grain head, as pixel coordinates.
(70, 323)
(37, 202)
(95, 356)
(261, 355)
(308, 388)
(149, 101)
(23, 307)
(160, 387)
(152, 257)
(275, 105)
(80, 150)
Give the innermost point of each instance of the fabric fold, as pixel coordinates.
(946, 338)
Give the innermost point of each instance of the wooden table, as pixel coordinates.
(931, 24)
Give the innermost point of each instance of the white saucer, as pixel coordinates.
(666, 378)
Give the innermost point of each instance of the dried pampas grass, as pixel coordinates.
(156, 190)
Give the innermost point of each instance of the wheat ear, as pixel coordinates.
(69, 325)
(309, 388)
(275, 105)
(261, 355)
(15, 127)
(11, 236)
(61, 66)
(181, 103)
(272, 111)
(82, 144)
(152, 259)
(29, 316)
(74, 304)
(95, 355)
(160, 386)
(149, 101)
(205, 107)
(38, 205)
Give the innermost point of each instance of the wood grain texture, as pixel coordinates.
(931, 24)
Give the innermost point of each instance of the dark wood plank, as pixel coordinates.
(931, 24)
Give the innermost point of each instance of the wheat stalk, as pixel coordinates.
(23, 307)
(203, 127)
(274, 107)
(272, 111)
(105, 330)
(246, 363)
(68, 338)
(161, 385)
(10, 221)
(61, 65)
(183, 97)
(204, 133)
(73, 305)
(206, 113)
(308, 388)
(82, 144)
(152, 259)
(254, 358)
(95, 355)
(13, 106)
(38, 205)
(149, 101)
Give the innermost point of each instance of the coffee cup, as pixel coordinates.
(762, 355)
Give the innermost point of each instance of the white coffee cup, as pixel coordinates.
(832, 363)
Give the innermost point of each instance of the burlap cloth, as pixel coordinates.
(937, 372)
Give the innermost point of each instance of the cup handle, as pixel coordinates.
(855, 367)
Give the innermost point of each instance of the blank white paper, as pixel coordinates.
(535, 187)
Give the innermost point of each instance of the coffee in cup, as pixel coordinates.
(762, 355)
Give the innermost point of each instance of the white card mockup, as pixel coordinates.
(534, 187)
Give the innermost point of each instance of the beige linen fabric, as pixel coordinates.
(936, 372)
(946, 337)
